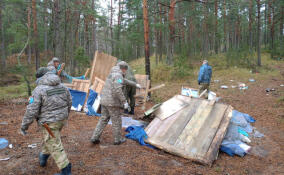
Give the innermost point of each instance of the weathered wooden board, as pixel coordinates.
(171, 106)
(98, 85)
(102, 65)
(80, 85)
(194, 132)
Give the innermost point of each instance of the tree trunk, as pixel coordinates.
(250, 23)
(45, 26)
(35, 34)
(56, 39)
(110, 26)
(29, 34)
(94, 44)
(146, 38)
(119, 16)
(258, 34)
(226, 35)
(170, 52)
(216, 27)
(205, 30)
(3, 56)
(160, 47)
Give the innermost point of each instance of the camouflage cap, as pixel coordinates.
(55, 59)
(41, 71)
(122, 65)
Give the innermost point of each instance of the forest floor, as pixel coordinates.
(131, 158)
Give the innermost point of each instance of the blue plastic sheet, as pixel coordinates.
(243, 132)
(3, 143)
(91, 99)
(138, 134)
(78, 99)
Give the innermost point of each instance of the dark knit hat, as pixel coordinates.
(41, 71)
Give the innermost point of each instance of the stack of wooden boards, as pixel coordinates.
(192, 128)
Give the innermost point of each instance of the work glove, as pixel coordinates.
(23, 131)
(127, 107)
(138, 86)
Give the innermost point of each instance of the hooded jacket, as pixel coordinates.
(51, 102)
(205, 74)
(112, 94)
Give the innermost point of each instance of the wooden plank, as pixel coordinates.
(170, 107)
(175, 151)
(146, 94)
(188, 130)
(212, 153)
(209, 129)
(153, 126)
(150, 90)
(197, 123)
(87, 72)
(164, 127)
(182, 121)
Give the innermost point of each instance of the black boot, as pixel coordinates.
(132, 111)
(66, 170)
(122, 140)
(125, 111)
(43, 159)
(95, 141)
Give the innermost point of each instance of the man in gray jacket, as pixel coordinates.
(112, 99)
(50, 105)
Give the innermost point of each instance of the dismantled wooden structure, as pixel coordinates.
(192, 128)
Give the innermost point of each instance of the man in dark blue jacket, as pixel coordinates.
(204, 77)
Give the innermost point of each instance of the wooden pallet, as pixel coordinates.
(192, 128)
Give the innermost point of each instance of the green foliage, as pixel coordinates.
(181, 67)
(81, 57)
(240, 57)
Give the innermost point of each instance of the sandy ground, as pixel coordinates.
(131, 158)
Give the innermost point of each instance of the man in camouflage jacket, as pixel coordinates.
(112, 99)
(51, 104)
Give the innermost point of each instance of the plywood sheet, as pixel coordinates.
(98, 85)
(102, 65)
(194, 132)
(142, 80)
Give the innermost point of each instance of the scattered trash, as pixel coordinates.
(128, 121)
(269, 89)
(5, 159)
(216, 81)
(251, 80)
(186, 91)
(3, 143)
(212, 95)
(32, 146)
(10, 146)
(243, 86)
(234, 87)
(224, 87)
(232, 80)
(281, 85)
(3, 123)
(257, 134)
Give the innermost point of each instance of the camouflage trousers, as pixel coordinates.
(108, 113)
(53, 146)
(202, 87)
(129, 93)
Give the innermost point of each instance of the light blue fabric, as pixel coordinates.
(241, 131)
(78, 98)
(138, 134)
(91, 99)
(3, 143)
(205, 74)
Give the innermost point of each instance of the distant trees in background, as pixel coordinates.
(74, 29)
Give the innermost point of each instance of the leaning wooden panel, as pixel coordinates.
(80, 85)
(195, 132)
(102, 65)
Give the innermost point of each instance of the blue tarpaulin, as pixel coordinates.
(78, 99)
(91, 99)
(3, 143)
(138, 134)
